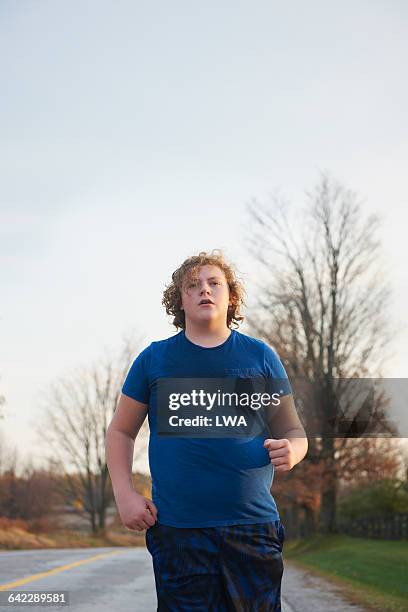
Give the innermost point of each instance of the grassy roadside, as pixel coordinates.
(16, 538)
(373, 573)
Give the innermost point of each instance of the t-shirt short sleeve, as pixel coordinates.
(136, 384)
(277, 378)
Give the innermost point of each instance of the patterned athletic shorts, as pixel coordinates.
(237, 568)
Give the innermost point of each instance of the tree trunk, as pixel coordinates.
(329, 488)
(93, 521)
(310, 521)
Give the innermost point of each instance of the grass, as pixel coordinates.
(15, 538)
(373, 572)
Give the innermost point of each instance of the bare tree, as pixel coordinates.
(30, 496)
(78, 410)
(2, 403)
(4, 453)
(322, 304)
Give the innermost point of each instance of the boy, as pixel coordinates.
(213, 528)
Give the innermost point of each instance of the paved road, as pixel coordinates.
(116, 579)
(106, 579)
(303, 592)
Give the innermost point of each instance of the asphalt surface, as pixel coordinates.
(116, 579)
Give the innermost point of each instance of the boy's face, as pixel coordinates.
(207, 285)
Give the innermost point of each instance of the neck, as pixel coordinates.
(207, 335)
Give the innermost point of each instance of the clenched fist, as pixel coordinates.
(281, 454)
(136, 512)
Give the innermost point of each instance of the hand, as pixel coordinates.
(281, 453)
(136, 512)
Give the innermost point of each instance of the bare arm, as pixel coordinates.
(288, 445)
(136, 511)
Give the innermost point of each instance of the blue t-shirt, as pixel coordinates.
(205, 482)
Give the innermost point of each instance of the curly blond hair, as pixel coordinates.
(188, 270)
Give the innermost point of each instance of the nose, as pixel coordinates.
(204, 290)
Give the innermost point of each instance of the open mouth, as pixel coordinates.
(206, 303)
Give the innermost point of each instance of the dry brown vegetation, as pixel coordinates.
(34, 513)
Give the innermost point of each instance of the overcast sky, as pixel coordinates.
(133, 134)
